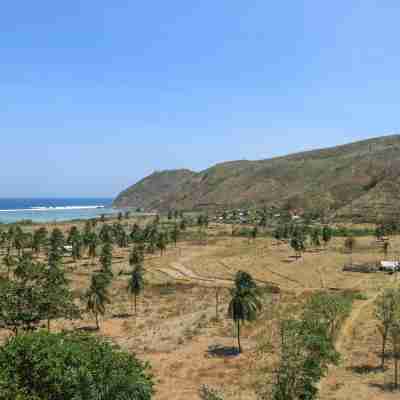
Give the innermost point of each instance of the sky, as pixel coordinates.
(95, 95)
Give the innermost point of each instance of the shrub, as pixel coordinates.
(65, 366)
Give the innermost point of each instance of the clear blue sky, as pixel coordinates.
(96, 94)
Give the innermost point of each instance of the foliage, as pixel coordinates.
(44, 366)
(207, 393)
(387, 312)
(329, 309)
(245, 302)
(306, 350)
(136, 282)
(97, 296)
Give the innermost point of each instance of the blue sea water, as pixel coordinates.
(56, 209)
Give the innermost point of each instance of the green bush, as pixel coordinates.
(45, 366)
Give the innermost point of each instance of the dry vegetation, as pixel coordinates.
(176, 329)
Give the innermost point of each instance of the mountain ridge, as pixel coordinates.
(363, 173)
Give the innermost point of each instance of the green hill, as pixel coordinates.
(364, 174)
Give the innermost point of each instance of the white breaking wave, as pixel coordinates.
(65, 208)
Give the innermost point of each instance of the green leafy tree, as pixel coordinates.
(329, 309)
(387, 312)
(305, 352)
(67, 366)
(21, 305)
(207, 393)
(395, 338)
(58, 300)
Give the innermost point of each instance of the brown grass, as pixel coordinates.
(176, 326)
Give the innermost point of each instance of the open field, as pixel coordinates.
(176, 328)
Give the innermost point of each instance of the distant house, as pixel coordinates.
(67, 250)
(389, 266)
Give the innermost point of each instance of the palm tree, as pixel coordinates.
(19, 241)
(9, 261)
(245, 302)
(93, 242)
(161, 243)
(39, 240)
(97, 297)
(136, 256)
(175, 233)
(136, 283)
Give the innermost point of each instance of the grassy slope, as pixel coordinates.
(322, 178)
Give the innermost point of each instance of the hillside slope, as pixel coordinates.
(364, 174)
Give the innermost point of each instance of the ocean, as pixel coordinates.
(53, 209)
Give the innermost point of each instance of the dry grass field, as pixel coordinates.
(176, 328)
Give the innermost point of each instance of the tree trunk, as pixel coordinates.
(238, 335)
(383, 351)
(135, 305)
(97, 321)
(396, 377)
(217, 304)
(48, 325)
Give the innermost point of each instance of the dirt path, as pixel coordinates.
(344, 336)
(178, 271)
(346, 333)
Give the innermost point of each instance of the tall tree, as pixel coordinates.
(39, 240)
(326, 234)
(97, 297)
(136, 283)
(175, 233)
(245, 303)
(106, 260)
(387, 312)
(93, 242)
(161, 243)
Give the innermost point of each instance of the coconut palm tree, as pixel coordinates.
(136, 256)
(97, 297)
(161, 243)
(93, 241)
(39, 240)
(9, 261)
(136, 283)
(245, 303)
